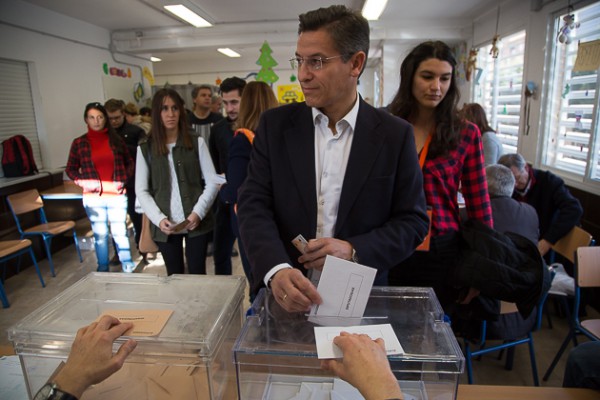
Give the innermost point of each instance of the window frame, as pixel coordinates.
(518, 88)
(551, 107)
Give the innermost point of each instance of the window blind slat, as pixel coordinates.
(572, 109)
(17, 116)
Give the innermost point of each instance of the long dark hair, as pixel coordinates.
(115, 141)
(476, 114)
(404, 105)
(158, 137)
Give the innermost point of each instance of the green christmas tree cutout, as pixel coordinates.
(266, 73)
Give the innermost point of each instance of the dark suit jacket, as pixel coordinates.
(511, 215)
(382, 209)
(557, 209)
(219, 140)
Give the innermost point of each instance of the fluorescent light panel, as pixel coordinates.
(228, 52)
(373, 9)
(188, 15)
(155, 59)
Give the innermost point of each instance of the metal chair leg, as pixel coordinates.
(47, 241)
(3, 297)
(558, 355)
(469, 361)
(37, 268)
(536, 380)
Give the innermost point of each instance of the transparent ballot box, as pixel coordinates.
(275, 353)
(189, 359)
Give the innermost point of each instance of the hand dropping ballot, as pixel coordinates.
(344, 287)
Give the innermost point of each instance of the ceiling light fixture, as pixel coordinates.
(155, 59)
(228, 52)
(373, 9)
(188, 15)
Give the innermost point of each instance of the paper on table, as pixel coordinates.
(12, 383)
(324, 336)
(145, 322)
(344, 287)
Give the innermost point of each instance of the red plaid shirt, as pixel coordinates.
(82, 171)
(442, 176)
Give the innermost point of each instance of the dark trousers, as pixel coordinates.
(243, 256)
(136, 218)
(583, 367)
(195, 253)
(431, 268)
(223, 239)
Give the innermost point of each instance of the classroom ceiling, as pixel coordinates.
(144, 27)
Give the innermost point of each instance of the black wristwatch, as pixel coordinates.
(51, 391)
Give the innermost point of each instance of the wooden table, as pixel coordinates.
(67, 191)
(488, 392)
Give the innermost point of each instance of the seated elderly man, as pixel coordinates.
(558, 211)
(509, 214)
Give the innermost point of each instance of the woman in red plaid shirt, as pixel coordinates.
(100, 163)
(451, 156)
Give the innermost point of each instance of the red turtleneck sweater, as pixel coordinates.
(103, 159)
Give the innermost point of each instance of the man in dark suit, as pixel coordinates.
(334, 169)
(558, 211)
(219, 140)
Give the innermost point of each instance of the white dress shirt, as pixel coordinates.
(332, 150)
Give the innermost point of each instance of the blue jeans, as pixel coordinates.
(102, 210)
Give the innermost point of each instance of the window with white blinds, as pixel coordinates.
(17, 116)
(571, 139)
(498, 87)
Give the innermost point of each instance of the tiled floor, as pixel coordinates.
(26, 294)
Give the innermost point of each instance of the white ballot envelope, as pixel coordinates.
(344, 287)
(326, 349)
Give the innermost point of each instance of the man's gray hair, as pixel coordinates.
(513, 160)
(500, 180)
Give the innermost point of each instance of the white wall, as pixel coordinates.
(66, 58)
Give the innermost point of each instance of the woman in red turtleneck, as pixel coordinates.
(100, 163)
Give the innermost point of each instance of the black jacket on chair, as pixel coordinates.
(504, 267)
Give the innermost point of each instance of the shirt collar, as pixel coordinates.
(530, 183)
(350, 118)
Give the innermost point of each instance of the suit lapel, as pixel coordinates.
(300, 146)
(366, 145)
